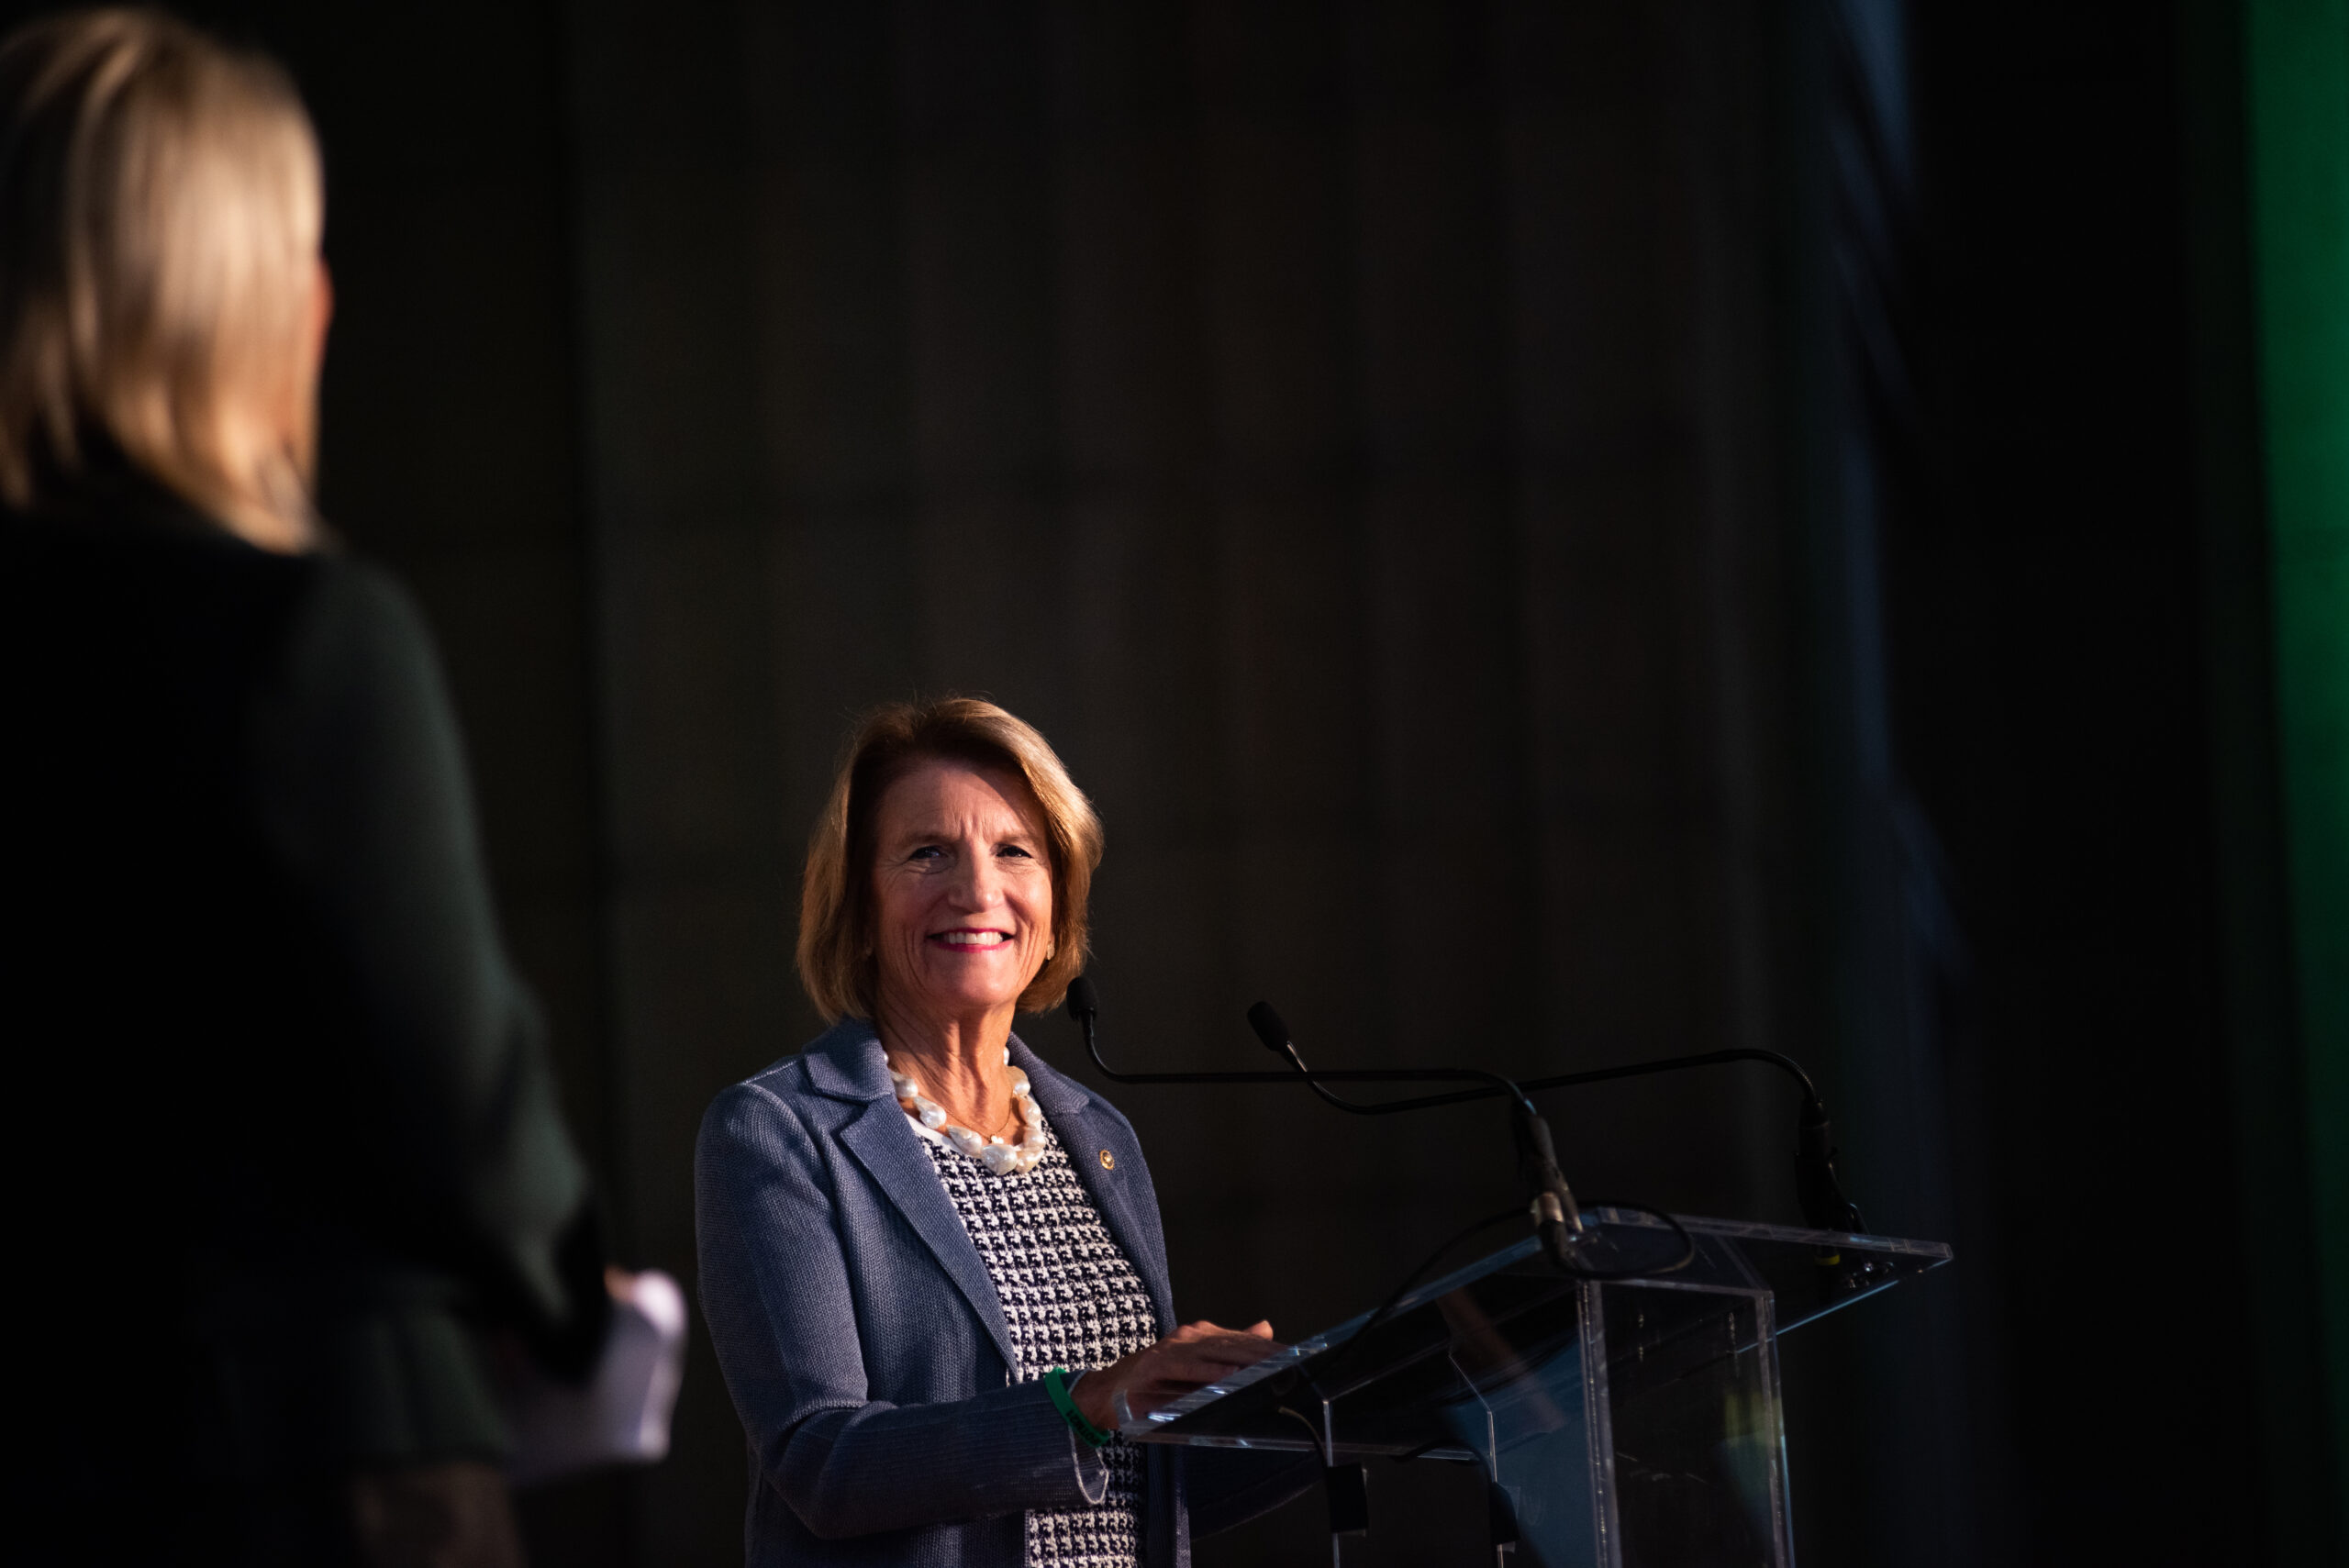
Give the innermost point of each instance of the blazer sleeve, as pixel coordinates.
(362, 795)
(782, 1318)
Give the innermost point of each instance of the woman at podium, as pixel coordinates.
(932, 1266)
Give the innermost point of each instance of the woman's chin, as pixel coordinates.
(966, 995)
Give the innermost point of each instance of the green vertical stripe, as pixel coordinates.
(2298, 60)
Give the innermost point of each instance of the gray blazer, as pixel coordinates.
(864, 1346)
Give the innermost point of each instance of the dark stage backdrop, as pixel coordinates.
(1517, 513)
(1343, 433)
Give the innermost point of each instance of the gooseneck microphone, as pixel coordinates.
(1554, 1202)
(1818, 1191)
(1556, 1218)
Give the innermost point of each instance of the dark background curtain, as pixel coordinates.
(1553, 533)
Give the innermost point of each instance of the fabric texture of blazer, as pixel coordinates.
(864, 1345)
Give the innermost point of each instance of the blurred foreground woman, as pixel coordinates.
(284, 1141)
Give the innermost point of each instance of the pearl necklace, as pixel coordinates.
(1003, 1159)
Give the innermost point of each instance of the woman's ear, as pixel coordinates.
(298, 433)
(317, 316)
(322, 302)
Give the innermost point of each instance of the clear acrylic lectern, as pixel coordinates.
(1629, 1422)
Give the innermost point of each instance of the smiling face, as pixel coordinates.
(962, 891)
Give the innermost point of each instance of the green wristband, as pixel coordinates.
(1056, 1384)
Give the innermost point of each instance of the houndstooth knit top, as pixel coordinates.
(1071, 1299)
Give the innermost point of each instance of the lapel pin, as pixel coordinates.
(1108, 1160)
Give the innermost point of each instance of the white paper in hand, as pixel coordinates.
(621, 1416)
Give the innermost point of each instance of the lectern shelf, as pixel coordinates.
(1631, 1422)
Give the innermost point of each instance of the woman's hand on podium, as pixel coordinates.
(1195, 1355)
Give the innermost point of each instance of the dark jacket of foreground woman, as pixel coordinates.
(865, 1346)
(284, 1135)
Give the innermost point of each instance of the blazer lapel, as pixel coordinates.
(891, 1153)
(1121, 1192)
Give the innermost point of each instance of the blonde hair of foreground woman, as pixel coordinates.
(162, 204)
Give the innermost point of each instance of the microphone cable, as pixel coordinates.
(1818, 1191)
(1556, 1217)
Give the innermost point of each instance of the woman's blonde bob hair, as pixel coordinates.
(836, 961)
(160, 207)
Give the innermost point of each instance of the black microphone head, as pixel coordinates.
(1269, 1028)
(1081, 1003)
